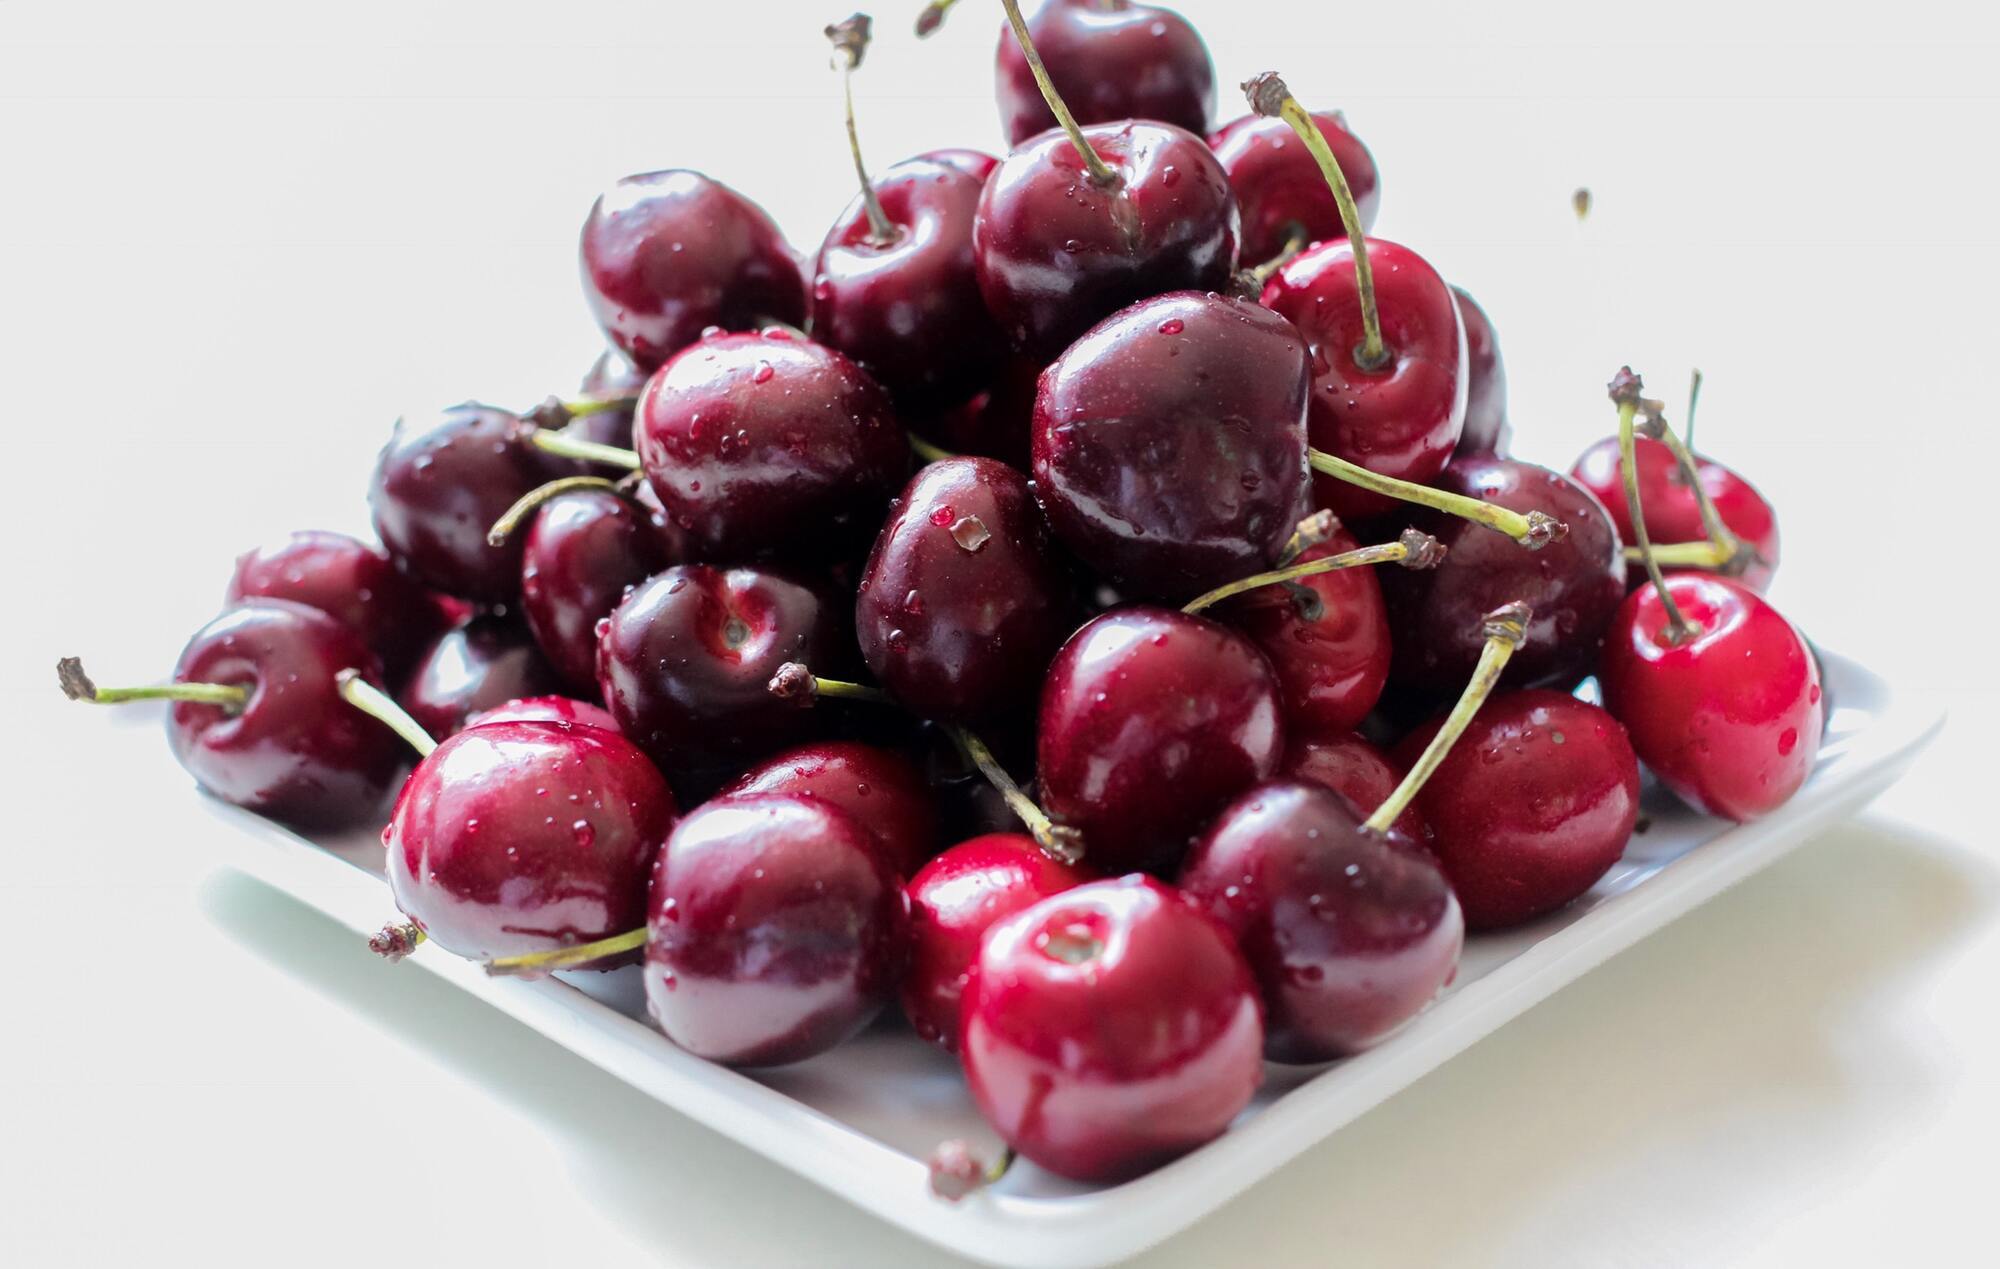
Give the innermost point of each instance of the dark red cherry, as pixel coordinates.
(1152, 721)
(976, 163)
(1109, 1029)
(1279, 189)
(881, 789)
(953, 901)
(561, 710)
(349, 580)
(611, 375)
(1057, 252)
(907, 308)
(1728, 718)
(767, 443)
(685, 663)
(584, 551)
(486, 662)
(775, 930)
(1487, 430)
(963, 601)
(1356, 770)
(1403, 418)
(1673, 513)
(1169, 443)
(666, 255)
(521, 837)
(1534, 803)
(1351, 933)
(1573, 584)
(1110, 60)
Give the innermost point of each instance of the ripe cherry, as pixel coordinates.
(1284, 200)
(564, 711)
(1356, 770)
(351, 581)
(1486, 428)
(1111, 60)
(486, 662)
(975, 163)
(881, 789)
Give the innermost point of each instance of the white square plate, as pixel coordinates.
(861, 1120)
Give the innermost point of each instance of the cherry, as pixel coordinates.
(1356, 770)
(521, 837)
(881, 789)
(769, 443)
(666, 255)
(486, 662)
(561, 710)
(775, 930)
(1152, 720)
(963, 601)
(972, 162)
(1285, 203)
(1111, 60)
(953, 901)
(351, 581)
(1109, 1029)
(257, 716)
(1486, 428)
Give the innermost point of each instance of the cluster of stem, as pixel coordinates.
(1720, 550)
(1625, 389)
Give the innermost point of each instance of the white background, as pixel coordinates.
(236, 239)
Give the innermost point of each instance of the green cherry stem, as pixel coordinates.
(1414, 549)
(925, 450)
(1061, 842)
(563, 445)
(850, 45)
(1295, 243)
(535, 964)
(556, 413)
(794, 682)
(382, 707)
(1625, 389)
(1535, 530)
(528, 503)
(1100, 173)
(78, 687)
(1694, 399)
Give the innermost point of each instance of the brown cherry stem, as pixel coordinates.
(1061, 842)
(925, 450)
(78, 687)
(957, 1171)
(382, 707)
(563, 445)
(1625, 389)
(1506, 627)
(794, 682)
(1270, 98)
(1534, 530)
(1100, 173)
(396, 940)
(556, 413)
(535, 964)
(850, 45)
(1689, 474)
(1414, 549)
(530, 502)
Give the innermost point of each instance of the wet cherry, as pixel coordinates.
(880, 788)
(1284, 200)
(1486, 428)
(1111, 60)
(350, 580)
(486, 662)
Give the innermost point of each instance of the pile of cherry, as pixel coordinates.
(1102, 741)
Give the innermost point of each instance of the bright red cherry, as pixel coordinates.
(1486, 428)
(1109, 1029)
(564, 711)
(1673, 512)
(775, 930)
(1285, 203)
(666, 255)
(953, 901)
(349, 580)
(583, 551)
(1356, 770)
(520, 837)
(1111, 60)
(486, 662)
(881, 789)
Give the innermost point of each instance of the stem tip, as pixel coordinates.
(849, 37)
(1508, 622)
(1424, 550)
(1267, 94)
(794, 682)
(75, 683)
(397, 939)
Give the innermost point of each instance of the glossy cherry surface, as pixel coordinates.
(1109, 60)
(564, 711)
(769, 444)
(880, 788)
(976, 163)
(964, 601)
(1169, 443)
(486, 662)
(1356, 770)
(1056, 252)
(583, 551)
(1350, 933)
(1673, 513)
(1279, 188)
(350, 580)
(775, 930)
(1402, 419)
(521, 837)
(1109, 1029)
(666, 255)
(1729, 719)
(1573, 584)
(1152, 721)
(953, 901)
(1487, 430)
(1534, 803)
(294, 750)
(908, 309)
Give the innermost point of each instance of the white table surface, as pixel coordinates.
(237, 239)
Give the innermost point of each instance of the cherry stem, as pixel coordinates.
(850, 44)
(78, 687)
(1690, 475)
(1100, 173)
(1534, 530)
(1311, 532)
(1270, 98)
(1625, 389)
(794, 682)
(535, 964)
(1505, 627)
(925, 450)
(932, 16)
(382, 707)
(1709, 556)
(396, 940)
(1694, 399)
(556, 413)
(530, 502)
(564, 445)
(1059, 841)
(1414, 549)
(1295, 243)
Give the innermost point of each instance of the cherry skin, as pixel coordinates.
(767, 443)
(1056, 253)
(564, 711)
(1110, 60)
(1402, 419)
(1673, 514)
(1169, 443)
(1356, 770)
(611, 375)
(953, 901)
(1152, 721)
(1729, 719)
(520, 837)
(295, 750)
(1573, 584)
(881, 789)
(775, 931)
(1109, 1029)
(667, 255)
(351, 581)
(1279, 188)
(488, 661)
(908, 309)
(963, 601)
(1534, 803)
(1486, 428)
(584, 551)
(1350, 933)
(976, 163)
